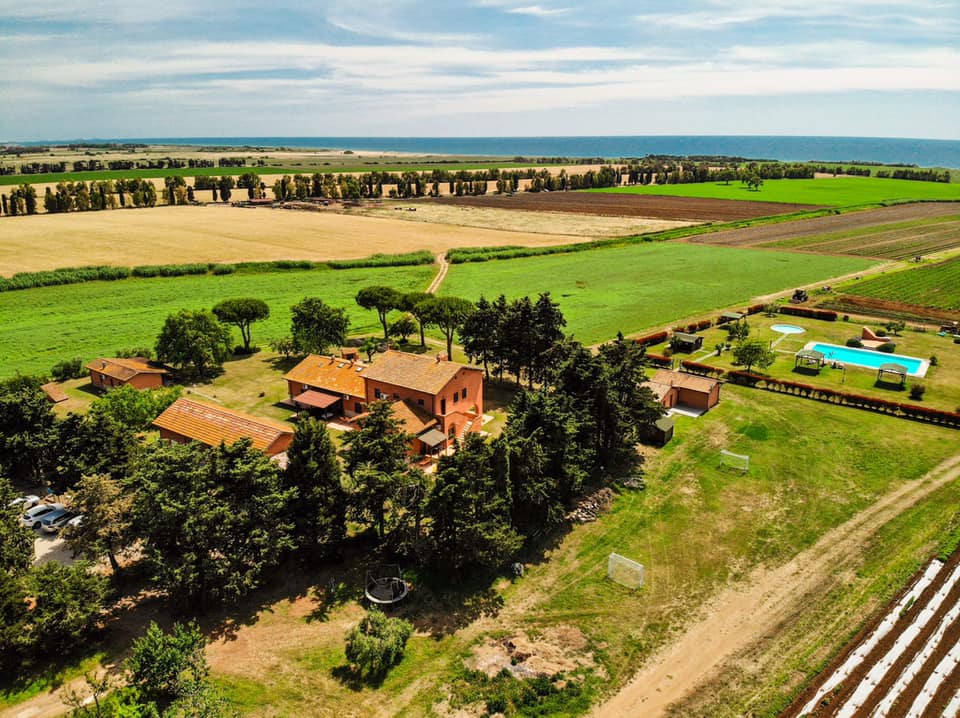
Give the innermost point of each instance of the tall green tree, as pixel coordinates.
(107, 525)
(241, 313)
(384, 300)
(194, 341)
(28, 432)
(375, 456)
(753, 353)
(166, 666)
(16, 541)
(67, 612)
(213, 521)
(313, 470)
(448, 314)
(92, 443)
(469, 508)
(133, 408)
(480, 334)
(316, 326)
(412, 302)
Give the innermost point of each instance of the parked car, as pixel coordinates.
(31, 518)
(25, 502)
(55, 520)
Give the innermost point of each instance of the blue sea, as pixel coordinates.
(925, 153)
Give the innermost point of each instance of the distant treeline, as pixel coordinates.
(34, 168)
(904, 173)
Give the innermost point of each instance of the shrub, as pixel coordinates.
(917, 391)
(881, 333)
(659, 360)
(704, 324)
(651, 339)
(755, 309)
(168, 665)
(377, 643)
(145, 352)
(888, 348)
(823, 314)
(68, 369)
(934, 361)
(220, 269)
(854, 342)
(384, 260)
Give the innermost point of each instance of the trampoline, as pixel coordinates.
(385, 586)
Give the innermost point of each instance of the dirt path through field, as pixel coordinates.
(743, 614)
(441, 273)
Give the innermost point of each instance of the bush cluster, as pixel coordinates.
(384, 260)
(824, 314)
(67, 275)
(169, 270)
(651, 339)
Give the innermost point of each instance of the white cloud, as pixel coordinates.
(538, 11)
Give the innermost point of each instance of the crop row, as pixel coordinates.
(934, 285)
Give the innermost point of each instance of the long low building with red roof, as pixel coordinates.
(189, 420)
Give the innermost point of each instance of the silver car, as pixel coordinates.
(25, 502)
(56, 520)
(32, 517)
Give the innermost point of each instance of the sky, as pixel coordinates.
(180, 68)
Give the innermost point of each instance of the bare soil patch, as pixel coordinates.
(164, 235)
(575, 225)
(853, 304)
(629, 205)
(560, 649)
(750, 236)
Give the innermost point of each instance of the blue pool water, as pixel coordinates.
(869, 358)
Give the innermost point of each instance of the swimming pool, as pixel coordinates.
(868, 357)
(788, 329)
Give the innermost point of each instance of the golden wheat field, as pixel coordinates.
(163, 235)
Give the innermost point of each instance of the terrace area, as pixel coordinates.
(797, 362)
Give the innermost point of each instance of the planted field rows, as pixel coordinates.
(934, 285)
(896, 241)
(904, 665)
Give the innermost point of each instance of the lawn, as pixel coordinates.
(942, 382)
(628, 289)
(833, 192)
(932, 285)
(44, 325)
(695, 528)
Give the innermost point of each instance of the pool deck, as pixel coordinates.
(885, 358)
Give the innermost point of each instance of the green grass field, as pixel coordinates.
(833, 192)
(42, 326)
(695, 528)
(632, 288)
(932, 285)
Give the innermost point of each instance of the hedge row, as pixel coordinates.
(824, 314)
(78, 275)
(651, 339)
(659, 360)
(842, 398)
(703, 369)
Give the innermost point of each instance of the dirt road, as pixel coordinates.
(441, 273)
(743, 614)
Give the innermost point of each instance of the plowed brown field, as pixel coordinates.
(749, 236)
(624, 205)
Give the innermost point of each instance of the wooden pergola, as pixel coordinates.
(808, 358)
(897, 370)
(731, 317)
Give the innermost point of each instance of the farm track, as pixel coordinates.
(764, 234)
(630, 205)
(742, 615)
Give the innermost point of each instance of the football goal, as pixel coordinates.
(739, 462)
(624, 571)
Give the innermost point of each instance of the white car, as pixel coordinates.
(25, 502)
(32, 517)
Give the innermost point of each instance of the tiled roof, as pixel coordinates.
(125, 369)
(683, 380)
(337, 376)
(54, 392)
(212, 425)
(415, 371)
(414, 418)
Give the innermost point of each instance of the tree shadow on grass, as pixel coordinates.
(356, 682)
